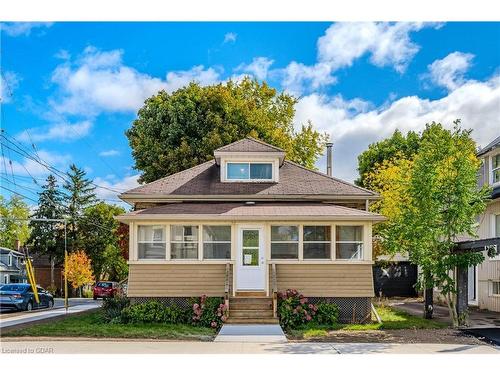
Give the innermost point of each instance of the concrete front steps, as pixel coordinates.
(251, 310)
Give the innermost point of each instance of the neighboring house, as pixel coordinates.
(250, 223)
(41, 265)
(484, 280)
(12, 268)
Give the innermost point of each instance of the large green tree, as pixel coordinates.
(176, 131)
(11, 228)
(99, 237)
(396, 147)
(430, 201)
(79, 194)
(47, 237)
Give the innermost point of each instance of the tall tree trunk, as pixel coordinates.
(428, 296)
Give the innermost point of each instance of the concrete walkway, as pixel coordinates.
(251, 333)
(44, 314)
(13, 346)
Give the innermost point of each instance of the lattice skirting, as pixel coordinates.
(182, 302)
(351, 309)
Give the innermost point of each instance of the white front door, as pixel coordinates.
(251, 270)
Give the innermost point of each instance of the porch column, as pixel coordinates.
(462, 295)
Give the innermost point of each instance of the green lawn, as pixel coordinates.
(91, 324)
(391, 319)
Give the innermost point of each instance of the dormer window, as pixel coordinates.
(249, 171)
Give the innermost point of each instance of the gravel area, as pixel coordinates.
(402, 336)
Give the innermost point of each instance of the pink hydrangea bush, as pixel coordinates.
(209, 312)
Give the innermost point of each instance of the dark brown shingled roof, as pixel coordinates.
(249, 144)
(241, 210)
(204, 179)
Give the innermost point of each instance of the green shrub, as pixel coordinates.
(153, 312)
(209, 312)
(294, 310)
(87, 293)
(327, 313)
(112, 308)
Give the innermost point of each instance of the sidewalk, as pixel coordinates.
(10, 346)
(38, 315)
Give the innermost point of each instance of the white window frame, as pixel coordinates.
(165, 242)
(198, 242)
(298, 242)
(10, 260)
(304, 242)
(362, 243)
(493, 170)
(491, 294)
(249, 179)
(204, 242)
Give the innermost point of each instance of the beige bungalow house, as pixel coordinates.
(247, 224)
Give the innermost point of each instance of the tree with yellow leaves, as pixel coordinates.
(79, 271)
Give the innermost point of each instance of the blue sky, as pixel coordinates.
(72, 89)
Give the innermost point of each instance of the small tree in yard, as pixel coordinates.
(429, 201)
(79, 270)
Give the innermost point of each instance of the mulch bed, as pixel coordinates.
(399, 336)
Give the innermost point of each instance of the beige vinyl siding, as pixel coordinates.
(326, 280)
(489, 270)
(176, 280)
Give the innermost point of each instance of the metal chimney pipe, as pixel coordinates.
(329, 158)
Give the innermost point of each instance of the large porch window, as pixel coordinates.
(216, 242)
(184, 242)
(317, 242)
(349, 242)
(151, 242)
(284, 242)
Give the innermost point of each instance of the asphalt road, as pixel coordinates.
(490, 334)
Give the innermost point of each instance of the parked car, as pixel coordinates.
(106, 289)
(21, 297)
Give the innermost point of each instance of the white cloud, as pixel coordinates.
(230, 37)
(449, 72)
(386, 43)
(259, 67)
(108, 153)
(353, 125)
(22, 28)
(98, 81)
(60, 131)
(298, 77)
(127, 183)
(9, 81)
(177, 79)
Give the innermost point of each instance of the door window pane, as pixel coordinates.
(261, 171)
(238, 171)
(250, 238)
(250, 257)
